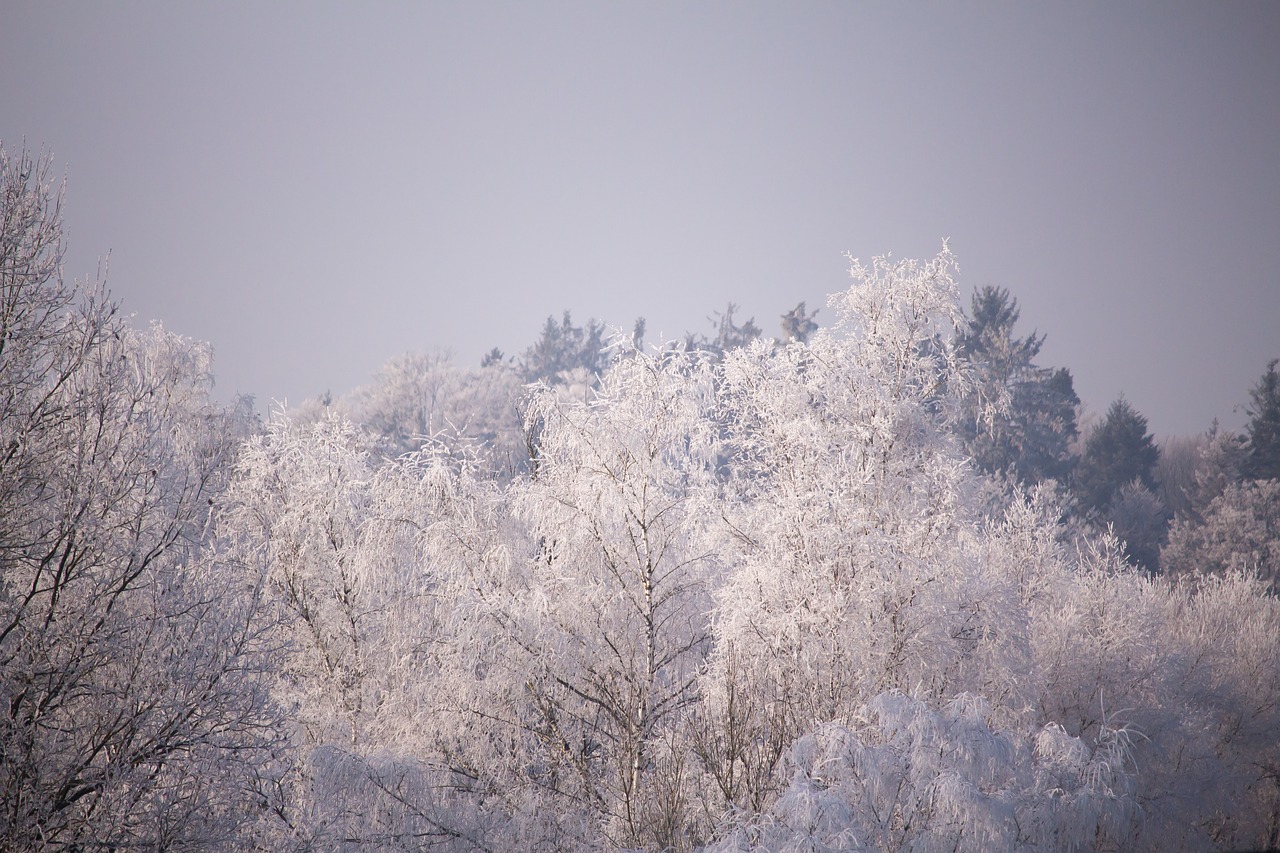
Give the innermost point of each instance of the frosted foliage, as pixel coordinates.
(849, 495)
(1121, 651)
(756, 600)
(603, 624)
(898, 318)
(357, 556)
(903, 776)
(1221, 759)
(419, 399)
(1239, 532)
(1155, 731)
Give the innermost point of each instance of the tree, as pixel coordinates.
(729, 335)
(1238, 532)
(1175, 471)
(1020, 418)
(1118, 452)
(133, 660)
(1140, 520)
(1221, 463)
(565, 347)
(387, 573)
(601, 628)
(798, 324)
(1114, 484)
(419, 398)
(845, 492)
(1263, 462)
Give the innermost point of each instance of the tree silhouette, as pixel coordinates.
(1263, 461)
(1118, 452)
(1020, 418)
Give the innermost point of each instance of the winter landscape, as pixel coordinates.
(854, 587)
(551, 427)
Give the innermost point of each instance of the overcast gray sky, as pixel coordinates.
(315, 188)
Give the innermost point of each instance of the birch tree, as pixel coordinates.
(347, 544)
(848, 494)
(604, 624)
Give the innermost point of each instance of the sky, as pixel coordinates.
(315, 188)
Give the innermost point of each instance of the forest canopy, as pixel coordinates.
(863, 586)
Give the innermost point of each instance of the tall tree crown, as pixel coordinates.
(988, 334)
(1021, 418)
(1118, 452)
(564, 347)
(1263, 462)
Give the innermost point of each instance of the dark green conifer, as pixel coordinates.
(1117, 453)
(1263, 461)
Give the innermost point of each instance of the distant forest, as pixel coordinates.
(863, 586)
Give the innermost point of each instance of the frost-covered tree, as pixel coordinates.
(301, 507)
(847, 496)
(1175, 472)
(601, 629)
(133, 658)
(1238, 532)
(362, 557)
(1140, 520)
(1221, 462)
(1114, 483)
(1020, 419)
(417, 399)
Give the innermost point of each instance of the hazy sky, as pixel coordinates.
(315, 188)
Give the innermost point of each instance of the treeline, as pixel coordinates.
(736, 594)
(1192, 505)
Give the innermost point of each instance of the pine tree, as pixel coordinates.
(1118, 452)
(1263, 461)
(798, 324)
(729, 335)
(1020, 418)
(564, 347)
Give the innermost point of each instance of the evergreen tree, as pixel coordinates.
(729, 335)
(1118, 452)
(798, 324)
(1020, 418)
(1263, 461)
(1220, 464)
(564, 347)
